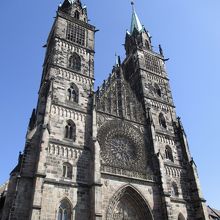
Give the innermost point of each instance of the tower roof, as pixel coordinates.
(70, 6)
(69, 3)
(135, 21)
(73, 1)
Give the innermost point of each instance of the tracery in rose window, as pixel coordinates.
(122, 146)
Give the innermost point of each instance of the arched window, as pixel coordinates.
(76, 15)
(174, 190)
(64, 212)
(67, 170)
(157, 89)
(70, 130)
(169, 153)
(147, 45)
(181, 217)
(162, 121)
(75, 62)
(73, 93)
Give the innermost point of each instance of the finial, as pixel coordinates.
(132, 3)
(116, 60)
(161, 50)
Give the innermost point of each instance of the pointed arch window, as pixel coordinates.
(67, 170)
(147, 45)
(73, 93)
(75, 62)
(174, 190)
(162, 121)
(169, 153)
(157, 89)
(181, 217)
(70, 130)
(64, 212)
(76, 15)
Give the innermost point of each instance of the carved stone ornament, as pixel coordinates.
(128, 204)
(122, 146)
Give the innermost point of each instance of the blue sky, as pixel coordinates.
(189, 33)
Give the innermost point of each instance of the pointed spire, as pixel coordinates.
(135, 22)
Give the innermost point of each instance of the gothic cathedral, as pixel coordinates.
(118, 153)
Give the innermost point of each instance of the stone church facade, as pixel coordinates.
(119, 153)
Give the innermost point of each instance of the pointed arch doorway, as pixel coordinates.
(128, 204)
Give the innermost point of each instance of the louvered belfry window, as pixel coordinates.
(76, 34)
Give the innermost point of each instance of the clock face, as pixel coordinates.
(122, 146)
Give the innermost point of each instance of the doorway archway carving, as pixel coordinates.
(128, 204)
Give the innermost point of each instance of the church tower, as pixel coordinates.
(146, 168)
(54, 173)
(119, 153)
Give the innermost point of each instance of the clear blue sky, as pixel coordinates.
(189, 33)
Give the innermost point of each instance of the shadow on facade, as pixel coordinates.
(84, 168)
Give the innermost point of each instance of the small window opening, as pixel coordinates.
(157, 89)
(169, 153)
(162, 121)
(73, 93)
(67, 170)
(75, 62)
(147, 45)
(174, 190)
(70, 130)
(76, 15)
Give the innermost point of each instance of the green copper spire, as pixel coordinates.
(135, 22)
